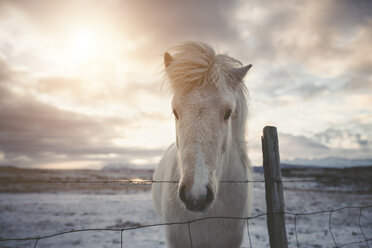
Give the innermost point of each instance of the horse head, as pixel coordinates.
(206, 105)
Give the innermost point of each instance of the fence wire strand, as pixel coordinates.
(330, 228)
(360, 227)
(249, 235)
(36, 242)
(190, 237)
(138, 181)
(295, 228)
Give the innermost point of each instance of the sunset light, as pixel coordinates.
(85, 44)
(165, 123)
(82, 84)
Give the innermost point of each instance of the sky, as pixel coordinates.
(81, 81)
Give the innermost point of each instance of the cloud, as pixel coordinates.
(33, 132)
(330, 143)
(4, 70)
(83, 91)
(311, 73)
(37, 132)
(188, 19)
(347, 14)
(342, 139)
(293, 81)
(327, 39)
(294, 146)
(162, 23)
(330, 39)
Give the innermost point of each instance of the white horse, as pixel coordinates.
(210, 110)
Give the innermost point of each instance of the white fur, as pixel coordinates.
(200, 175)
(209, 149)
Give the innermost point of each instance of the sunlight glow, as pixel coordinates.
(71, 165)
(135, 181)
(139, 161)
(84, 44)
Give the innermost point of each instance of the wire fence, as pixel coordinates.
(275, 212)
(138, 181)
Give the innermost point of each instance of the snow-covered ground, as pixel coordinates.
(38, 214)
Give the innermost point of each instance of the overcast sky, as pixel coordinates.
(80, 81)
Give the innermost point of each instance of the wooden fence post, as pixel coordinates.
(274, 188)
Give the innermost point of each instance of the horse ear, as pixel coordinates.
(242, 71)
(167, 59)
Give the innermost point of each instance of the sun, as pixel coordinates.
(84, 39)
(88, 49)
(84, 43)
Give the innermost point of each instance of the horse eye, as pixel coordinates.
(175, 114)
(227, 114)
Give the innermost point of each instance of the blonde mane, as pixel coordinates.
(196, 65)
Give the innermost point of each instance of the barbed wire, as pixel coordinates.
(140, 181)
(189, 222)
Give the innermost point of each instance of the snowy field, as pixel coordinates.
(44, 213)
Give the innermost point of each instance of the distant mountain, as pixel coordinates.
(127, 166)
(330, 162)
(259, 169)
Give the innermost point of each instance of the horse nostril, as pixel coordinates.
(209, 197)
(182, 193)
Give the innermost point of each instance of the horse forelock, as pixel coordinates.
(196, 65)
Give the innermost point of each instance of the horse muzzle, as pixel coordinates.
(200, 203)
